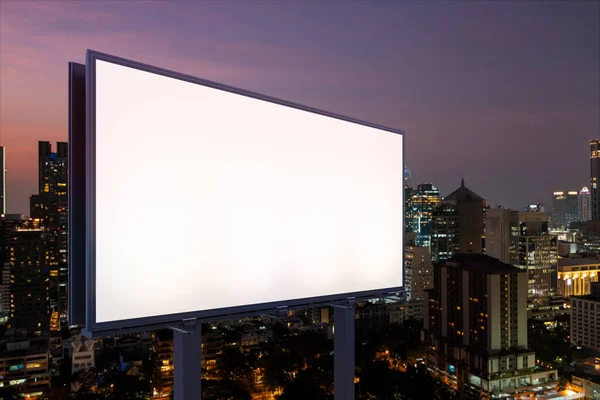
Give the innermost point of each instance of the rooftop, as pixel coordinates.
(575, 261)
(463, 193)
(481, 263)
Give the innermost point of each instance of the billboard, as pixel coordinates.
(205, 200)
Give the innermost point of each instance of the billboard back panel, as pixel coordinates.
(206, 199)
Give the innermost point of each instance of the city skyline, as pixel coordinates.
(521, 73)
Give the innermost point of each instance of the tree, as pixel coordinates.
(304, 387)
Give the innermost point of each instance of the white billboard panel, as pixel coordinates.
(208, 198)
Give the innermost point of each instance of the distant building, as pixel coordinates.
(82, 354)
(211, 350)
(24, 364)
(595, 177)
(407, 178)
(585, 205)
(536, 207)
(8, 224)
(30, 273)
(2, 180)
(162, 343)
(576, 275)
(418, 269)
(424, 199)
(398, 313)
(50, 206)
(585, 319)
(565, 209)
(475, 328)
(522, 239)
(457, 224)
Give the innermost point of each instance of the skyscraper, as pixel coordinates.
(51, 208)
(522, 239)
(29, 275)
(425, 198)
(595, 176)
(475, 327)
(2, 180)
(457, 225)
(407, 178)
(585, 204)
(564, 209)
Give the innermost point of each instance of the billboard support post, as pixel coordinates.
(186, 359)
(343, 347)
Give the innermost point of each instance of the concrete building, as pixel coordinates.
(595, 177)
(475, 328)
(585, 319)
(418, 269)
(162, 342)
(522, 239)
(585, 204)
(30, 273)
(576, 275)
(565, 209)
(398, 313)
(457, 225)
(82, 354)
(24, 364)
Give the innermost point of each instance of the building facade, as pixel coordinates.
(475, 328)
(585, 205)
(50, 206)
(585, 319)
(30, 274)
(565, 209)
(595, 176)
(424, 199)
(576, 275)
(418, 269)
(458, 224)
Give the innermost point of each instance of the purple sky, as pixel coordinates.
(503, 93)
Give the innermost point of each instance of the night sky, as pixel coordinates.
(505, 94)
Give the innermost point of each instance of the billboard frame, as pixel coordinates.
(144, 323)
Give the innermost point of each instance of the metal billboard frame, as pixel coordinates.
(186, 326)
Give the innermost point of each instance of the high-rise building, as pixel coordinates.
(8, 224)
(418, 269)
(536, 207)
(407, 178)
(457, 224)
(29, 275)
(565, 209)
(2, 180)
(51, 207)
(522, 239)
(475, 328)
(425, 198)
(585, 205)
(595, 176)
(585, 319)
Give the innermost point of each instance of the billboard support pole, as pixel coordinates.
(186, 359)
(343, 347)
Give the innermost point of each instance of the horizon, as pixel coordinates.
(526, 72)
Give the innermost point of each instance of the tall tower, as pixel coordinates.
(50, 206)
(457, 225)
(595, 175)
(2, 180)
(425, 199)
(585, 204)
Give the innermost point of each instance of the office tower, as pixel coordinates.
(2, 180)
(407, 178)
(8, 224)
(475, 328)
(576, 275)
(595, 175)
(585, 205)
(409, 211)
(29, 275)
(565, 209)
(418, 270)
(457, 225)
(50, 206)
(585, 319)
(497, 233)
(425, 198)
(522, 239)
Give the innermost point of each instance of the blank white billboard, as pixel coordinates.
(206, 199)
